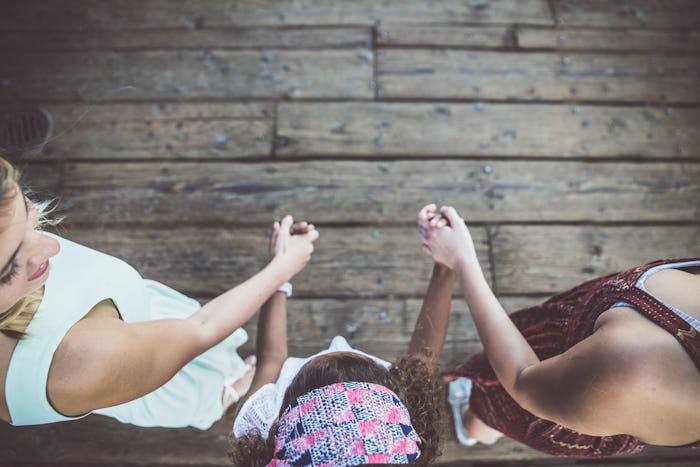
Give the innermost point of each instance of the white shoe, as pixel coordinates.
(459, 392)
(231, 396)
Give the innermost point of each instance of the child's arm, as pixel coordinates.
(271, 346)
(271, 343)
(431, 326)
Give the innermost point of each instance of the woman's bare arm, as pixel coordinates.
(103, 361)
(613, 382)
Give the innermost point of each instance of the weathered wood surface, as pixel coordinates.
(347, 262)
(359, 37)
(234, 130)
(457, 74)
(220, 38)
(351, 192)
(161, 131)
(629, 13)
(393, 34)
(523, 258)
(509, 37)
(162, 74)
(164, 14)
(419, 74)
(609, 40)
(437, 130)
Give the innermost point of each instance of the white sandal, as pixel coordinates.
(231, 396)
(459, 392)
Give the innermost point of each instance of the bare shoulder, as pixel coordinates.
(103, 361)
(599, 386)
(81, 360)
(653, 384)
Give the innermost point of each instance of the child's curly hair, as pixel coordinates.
(413, 378)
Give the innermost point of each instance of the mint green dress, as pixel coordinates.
(79, 279)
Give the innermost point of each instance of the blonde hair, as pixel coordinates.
(14, 322)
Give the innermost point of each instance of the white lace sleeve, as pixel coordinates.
(259, 411)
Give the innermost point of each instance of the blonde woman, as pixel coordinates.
(83, 332)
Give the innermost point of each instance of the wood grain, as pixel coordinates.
(163, 74)
(438, 130)
(457, 74)
(362, 192)
(137, 14)
(647, 13)
(393, 34)
(160, 131)
(607, 40)
(166, 39)
(551, 259)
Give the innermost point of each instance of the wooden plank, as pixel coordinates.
(551, 259)
(458, 74)
(229, 38)
(160, 131)
(187, 74)
(204, 261)
(609, 40)
(645, 13)
(42, 180)
(361, 192)
(98, 440)
(445, 35)
(442, 129)
(139, 14)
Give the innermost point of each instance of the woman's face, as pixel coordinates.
(24, 252)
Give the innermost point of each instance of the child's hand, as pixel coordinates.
(292, 244)
(445, 237)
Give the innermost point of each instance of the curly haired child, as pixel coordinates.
(343, 407)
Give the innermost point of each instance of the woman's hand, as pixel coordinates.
(296, 228)
(291, 244)
(445, 237)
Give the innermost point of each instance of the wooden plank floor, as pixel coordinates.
(566, 132)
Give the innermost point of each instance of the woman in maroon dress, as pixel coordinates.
(606, 368)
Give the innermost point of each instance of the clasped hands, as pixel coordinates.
(445, 237)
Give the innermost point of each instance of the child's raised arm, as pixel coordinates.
(431, 326)
(271, 345)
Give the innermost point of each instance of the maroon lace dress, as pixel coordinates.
(552, 328)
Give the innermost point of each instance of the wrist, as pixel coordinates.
(278, 265)
(442, 269)
(466, 266)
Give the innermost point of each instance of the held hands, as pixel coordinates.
(445, 237)
(291, 244)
